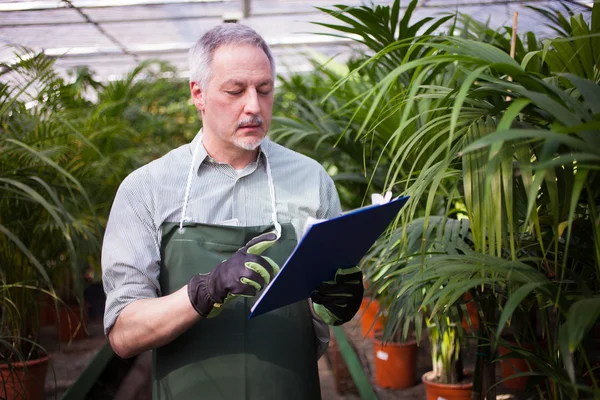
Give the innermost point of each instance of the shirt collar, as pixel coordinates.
(203, 155)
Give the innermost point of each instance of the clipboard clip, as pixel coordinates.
(377, 198)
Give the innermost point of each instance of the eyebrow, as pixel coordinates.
(236, 82)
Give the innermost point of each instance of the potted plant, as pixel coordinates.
(71, 318)
(24, 363)
(395, 358)
(502, 175)
(44, 212)
(402, 280)
(448, 379)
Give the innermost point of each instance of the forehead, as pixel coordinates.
(243, 62)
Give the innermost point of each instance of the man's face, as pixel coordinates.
(237, 103)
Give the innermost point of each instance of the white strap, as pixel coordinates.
(273, 202)
(188, 186)
(269, 179)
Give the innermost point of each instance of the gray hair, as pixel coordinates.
(201, 54)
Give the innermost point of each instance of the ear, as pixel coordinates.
(197, 96)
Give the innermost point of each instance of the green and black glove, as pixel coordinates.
(336, 301)
(243, 274)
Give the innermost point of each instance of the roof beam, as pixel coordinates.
(246, 8)
(53, 4)
(159, 48)
(425, 4)
(102, 31)
(162, 19)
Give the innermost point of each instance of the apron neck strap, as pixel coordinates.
(188, 186)
(272, 192)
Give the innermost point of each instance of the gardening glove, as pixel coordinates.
(336, 301)
(243, 274)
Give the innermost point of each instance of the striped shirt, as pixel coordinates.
(154, 194)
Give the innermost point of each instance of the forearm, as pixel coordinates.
(150, 323)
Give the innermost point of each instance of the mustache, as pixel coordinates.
(251, 121)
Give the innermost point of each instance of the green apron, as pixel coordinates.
(273, 356)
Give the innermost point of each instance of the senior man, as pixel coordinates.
(193, 236)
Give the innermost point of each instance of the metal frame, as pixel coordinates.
(102, 31)
(134, 52)
(182, 18)
(53, 5)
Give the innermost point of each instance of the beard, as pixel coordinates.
(248, 143)
(244, 144)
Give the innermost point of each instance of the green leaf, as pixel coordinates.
(588, 89)
(514, 301)
(482, 51)
(460, 98)
(519, 134)
(406, 18)
(581, 318)
(512, 112)
(41, 270)
(528, 58)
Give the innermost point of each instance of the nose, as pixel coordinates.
(252, 106)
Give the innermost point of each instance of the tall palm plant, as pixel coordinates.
(512, 161)
(62, 157)
(524, 174)
(46, 217)
(301, 121)
(313, 120)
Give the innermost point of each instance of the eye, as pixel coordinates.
(234, 92)
(265, 92)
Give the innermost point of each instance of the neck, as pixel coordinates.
(227, 153)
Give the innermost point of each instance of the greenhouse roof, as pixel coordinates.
(113, 36)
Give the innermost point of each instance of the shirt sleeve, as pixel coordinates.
(131, 248)
(330, 208)
(329, 198)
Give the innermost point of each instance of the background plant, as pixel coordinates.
(507, 145)
(45, 211)
(66, 143)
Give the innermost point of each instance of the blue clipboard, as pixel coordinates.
(339, 242)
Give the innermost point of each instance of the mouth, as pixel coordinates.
(256, 126)
(251, 123)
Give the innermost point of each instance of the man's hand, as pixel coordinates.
(336, 301)
(244, 274)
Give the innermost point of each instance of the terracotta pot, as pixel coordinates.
(24, 381)
(447, 391)
(395, 363)
(369, 321)
(512, 366)
(71, 326)
(47, 310)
